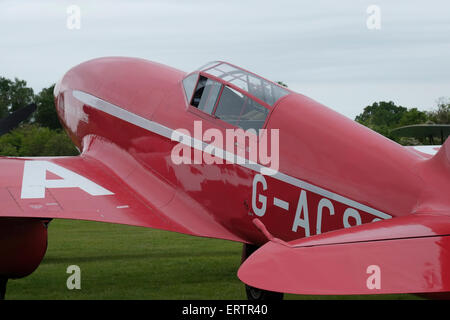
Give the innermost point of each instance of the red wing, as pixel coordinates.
(400, 255)
(115, 190)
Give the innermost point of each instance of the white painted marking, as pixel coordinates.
(281, 203)
(259, 179)
(302, 206)
(323, 203)
(350, 212)
(34, 180)
(122, 207)
(161, 130)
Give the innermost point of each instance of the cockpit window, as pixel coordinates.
(206, 94)
(209, 65)
(232, 95)
(240, 111)
(189, 85)
(254, 85)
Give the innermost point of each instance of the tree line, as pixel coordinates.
(42, 134)
(383, 117)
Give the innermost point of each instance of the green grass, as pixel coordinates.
(123, 262)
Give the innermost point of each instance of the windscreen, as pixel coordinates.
(256, 86)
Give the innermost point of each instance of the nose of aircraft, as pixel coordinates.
(134, 84)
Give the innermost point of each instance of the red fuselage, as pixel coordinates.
(333, 173)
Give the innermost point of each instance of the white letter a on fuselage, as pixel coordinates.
(35, 182)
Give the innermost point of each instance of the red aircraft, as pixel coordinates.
(322, 204)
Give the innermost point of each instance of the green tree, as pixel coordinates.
(442, 114)
(33, 140)
(20, 94)
(45, 114)
(413, 116)
(14, 95)
(5, 85)
(382, 117)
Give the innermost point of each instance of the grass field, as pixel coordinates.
(123, 262)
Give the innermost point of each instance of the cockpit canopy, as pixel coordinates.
(231, 94)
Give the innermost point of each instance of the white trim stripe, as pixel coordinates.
(166, 132)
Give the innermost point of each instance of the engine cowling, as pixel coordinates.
(23, 243)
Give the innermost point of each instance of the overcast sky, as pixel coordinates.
(323, 49)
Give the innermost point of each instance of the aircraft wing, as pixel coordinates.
(100, 185)
(409, 254)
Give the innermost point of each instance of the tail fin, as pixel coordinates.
(442, 158)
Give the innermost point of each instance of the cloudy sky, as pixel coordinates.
(323, 49)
